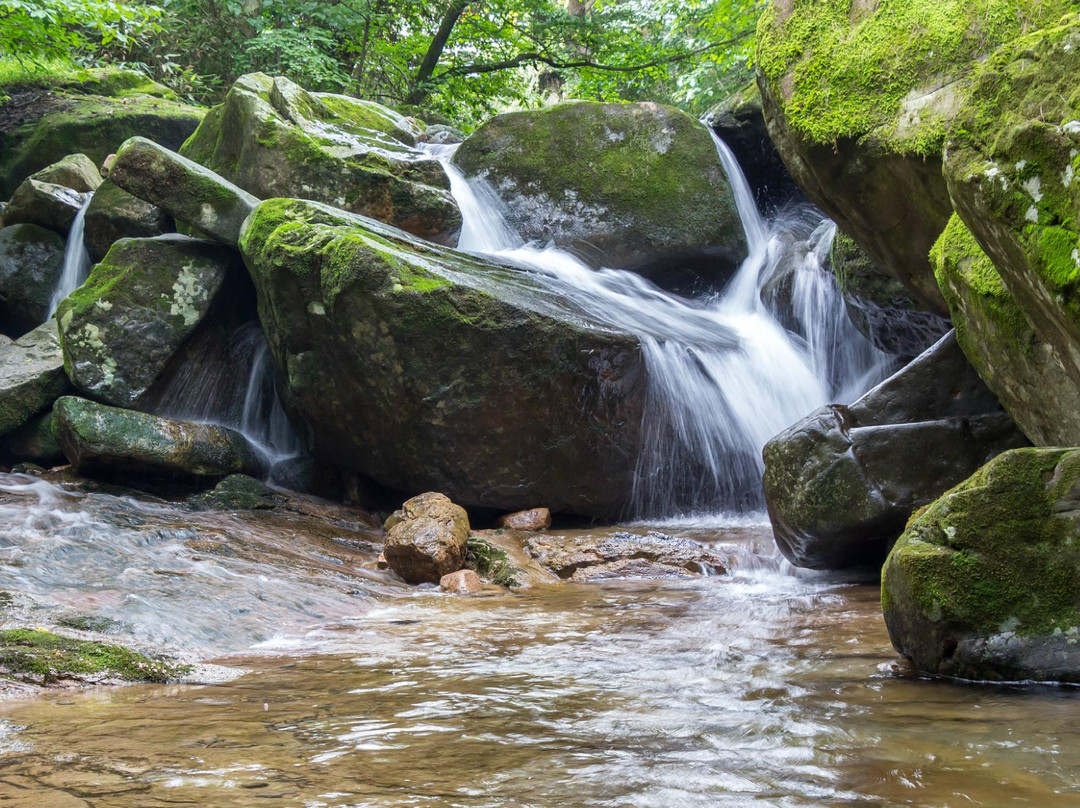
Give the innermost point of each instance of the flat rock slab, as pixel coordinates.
(623, 555)
(31, 376)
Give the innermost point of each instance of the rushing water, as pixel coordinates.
(725, 371)
(76, 259)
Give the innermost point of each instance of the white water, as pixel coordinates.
(725, 374)
(76, 259)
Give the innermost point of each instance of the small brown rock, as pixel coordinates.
(532, 519)
(462, 582)
(105, 166)
(428, 541)
(381, 562)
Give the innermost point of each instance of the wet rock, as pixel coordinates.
(841, 483)
(238, 492)
(623, 555)
(186, 190)
(274, 139)
(389, 342)
(43, 204)
(441, 133)
(139, 305)
(114, 214)
(1011, 168)
(462, 582)
(532, 519)
(111, 442)
(622, 185)
(76, 171)
(33, 442)
(427, 539)
(31, 376)
(91, 117)
(984, 583)
(31, 261)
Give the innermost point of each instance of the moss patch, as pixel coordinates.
(490, 562)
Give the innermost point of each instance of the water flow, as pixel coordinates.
(724, 373)
(76, 259)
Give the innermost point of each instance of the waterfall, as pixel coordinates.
(76, 259)
(726, 371)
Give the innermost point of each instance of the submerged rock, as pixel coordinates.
(408, 361)
(985, 582)
(426, 539)
(31, 261)
(623, 555)
(31, 376)
(841, 483)
(238, 492)
(622, 185)
(101, 440)
(44, 204)
(140, 304)
(114, 214)
(274, 139)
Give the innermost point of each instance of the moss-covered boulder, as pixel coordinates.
(33, 442)
(92, 117)
(140, 304)
(31, 376)
(274, 139)
(841, 483)
(880, 306)
(44, 204)
(427, 369)
(858, 96)
(1013, 155)
(31, 261)
(141, 449)
(114, 214)
(76, 171)
(622, 185)
(985, 583)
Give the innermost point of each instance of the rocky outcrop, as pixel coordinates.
(140, 304)
(623, 555)
(92, 118)
(114, 214)
(189, 192)
(622, 185)
(985, 583)
(44, 204)
(841, 483)
(858, 98)
(274, 139)
(31, 376)
(1011, 169)
(426, 539)
(141, 448)
(408, 362)
(31, 260)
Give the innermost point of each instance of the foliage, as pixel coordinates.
(490, 562)
(36, 30)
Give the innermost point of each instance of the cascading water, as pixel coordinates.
(724, 373)
(76, 259)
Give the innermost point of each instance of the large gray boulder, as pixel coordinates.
(140, 304)
(114, 214)
(45, 204)
(274, 139)
(622, 185)
(75, 171)
(31, 376)
(841, 483)
(428, 369)
(31, 261)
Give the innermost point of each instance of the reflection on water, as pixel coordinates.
(761, 689)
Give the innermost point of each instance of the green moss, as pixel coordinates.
(490, 562)
(43, 657)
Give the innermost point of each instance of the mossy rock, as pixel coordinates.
(858, 96)
(274, 139)
(431, 370)
(238, 492)
(114, 214)
(44, 204)
(33, 442)
(623, 185)
(31, 262)
(91, 118)
(76, 171)
(985, 583)
(31, 376)
(1013, 155)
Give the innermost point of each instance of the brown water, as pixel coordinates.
(760, 688)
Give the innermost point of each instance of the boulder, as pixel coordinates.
(33, 442)
(462, 582)
(238, 492)
(31, 261)
(44, 204)
(114, 214)
(858, 97)
(985, 583)
(139, 305)
(408, 363)
(92, 117)
(426, 539)
(111, 442)
(841, 483)
(186, 190)
(623, 185)
(31, 376)
(623, 555)
(1011, 169)
(532, 519)
(879, 305)
(274, 139)
(76, 171)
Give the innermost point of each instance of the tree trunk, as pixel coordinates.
(420, 84)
